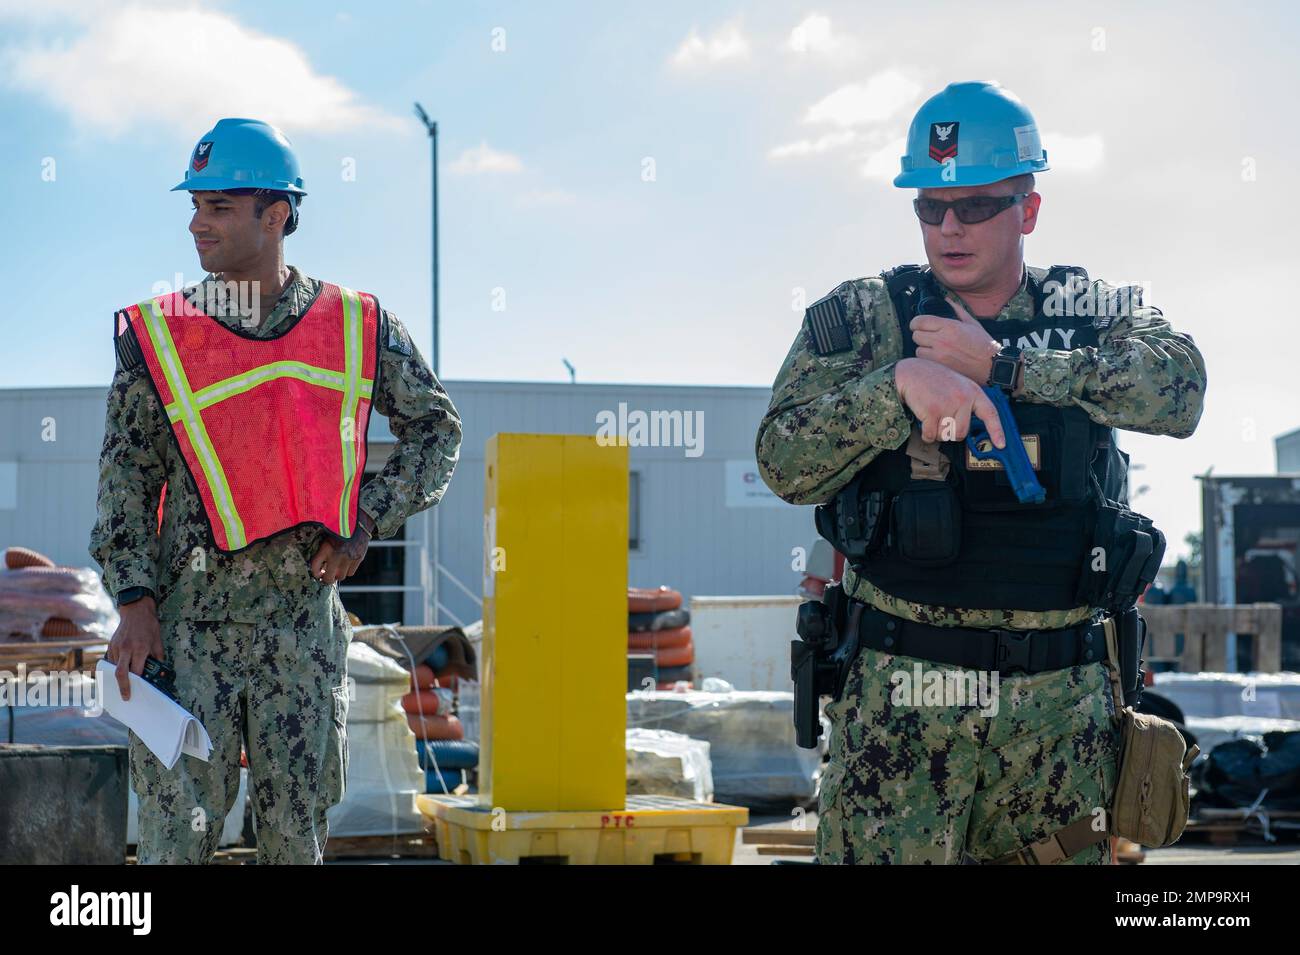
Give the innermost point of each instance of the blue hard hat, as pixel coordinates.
(243, 154)
(970, 134)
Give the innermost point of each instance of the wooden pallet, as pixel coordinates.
(47, 655)
(1230, 827)
(780, 842)
(405, 846)
(409, 846)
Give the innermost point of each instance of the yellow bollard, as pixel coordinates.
(554, 663)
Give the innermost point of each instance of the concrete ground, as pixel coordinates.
(1196, 852)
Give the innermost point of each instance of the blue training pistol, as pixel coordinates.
(1013, 456)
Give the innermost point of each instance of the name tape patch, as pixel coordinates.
(973, 463)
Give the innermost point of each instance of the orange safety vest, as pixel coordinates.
(272, 430)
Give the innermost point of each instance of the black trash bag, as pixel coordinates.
(1236, 772)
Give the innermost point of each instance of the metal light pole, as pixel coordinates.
(431, 527)
(432, 128)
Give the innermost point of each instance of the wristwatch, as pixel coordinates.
(1003, 372)
(131, 594)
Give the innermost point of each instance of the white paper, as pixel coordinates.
(162, 724)
(1028, 145)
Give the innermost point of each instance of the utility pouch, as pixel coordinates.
(927, 523)
(1123, 559)
(1153, 790)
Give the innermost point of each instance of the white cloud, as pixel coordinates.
(1074, 153)
(727, 43)
(52, 9)
(814, 35)
(812, 147)
(484, 159)
(857, 104)
(145, 68)
(883, 164)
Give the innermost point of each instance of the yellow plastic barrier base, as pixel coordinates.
(651, 830)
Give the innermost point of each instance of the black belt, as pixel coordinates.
(1006, 651)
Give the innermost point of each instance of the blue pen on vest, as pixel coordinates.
(1013, 456)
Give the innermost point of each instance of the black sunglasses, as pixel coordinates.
(970, 210)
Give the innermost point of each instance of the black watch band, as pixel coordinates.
(131, 594)
(1003, 372)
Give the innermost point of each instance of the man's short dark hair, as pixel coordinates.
(263, 199)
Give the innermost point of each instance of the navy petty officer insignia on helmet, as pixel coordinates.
(943, 141)
(201, 154)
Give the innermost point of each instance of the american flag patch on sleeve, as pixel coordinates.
(827, 326)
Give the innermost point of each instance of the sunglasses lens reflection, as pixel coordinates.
(978, 208)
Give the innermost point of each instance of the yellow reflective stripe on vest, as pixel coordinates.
(238, 384)
(161, 337)
(352, 326)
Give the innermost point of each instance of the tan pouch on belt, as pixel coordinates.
(1153, 790)
(928, 462)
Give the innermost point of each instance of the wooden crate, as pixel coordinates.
(1205, 629)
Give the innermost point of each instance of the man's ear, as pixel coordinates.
(275, 217)
(1031, 206)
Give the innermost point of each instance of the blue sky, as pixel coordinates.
(773, 130)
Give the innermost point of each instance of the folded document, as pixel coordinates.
(162, 724)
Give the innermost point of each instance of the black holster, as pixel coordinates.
(820, 659)
(1131, 636)
(855, 520)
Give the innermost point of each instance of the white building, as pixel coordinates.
(1287, 448)
(701, 520)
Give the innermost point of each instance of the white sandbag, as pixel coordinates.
(384, 774)
(662, 763)
(750, 733)
(377, 685)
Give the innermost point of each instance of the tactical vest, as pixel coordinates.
(272, 430)
(967, 541)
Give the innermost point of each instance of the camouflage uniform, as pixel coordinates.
(259, 646)
(985, 782)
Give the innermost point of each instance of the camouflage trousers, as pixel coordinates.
(917, 780)
(279, 691)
